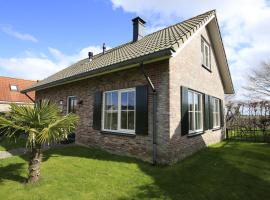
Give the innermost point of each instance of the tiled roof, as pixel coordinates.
(169, 38)
(7, 95)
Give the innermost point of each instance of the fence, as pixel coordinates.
(248, 135)
(248, 121)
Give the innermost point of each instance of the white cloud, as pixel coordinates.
(37, 66)
(21, 36)
(245, 25)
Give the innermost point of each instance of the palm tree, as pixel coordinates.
(42, 125)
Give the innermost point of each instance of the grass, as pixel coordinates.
(7, 144)
(233, 170)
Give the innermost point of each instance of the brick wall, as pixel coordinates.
(186, 70)
(183, 69)
(139, 146)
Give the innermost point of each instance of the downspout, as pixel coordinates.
(29, 97)
(154, 93)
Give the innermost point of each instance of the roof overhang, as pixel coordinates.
(150, 58)
(220, 55)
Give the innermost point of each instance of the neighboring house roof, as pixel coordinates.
(155, 45)
(10, 90)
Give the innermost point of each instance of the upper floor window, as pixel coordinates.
(119, 110)
(206, 58)
(195, 111)
(72, 104)
(13, 88)
(216, 113)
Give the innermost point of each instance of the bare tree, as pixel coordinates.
(259, 80)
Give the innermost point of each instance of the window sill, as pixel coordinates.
(118, 133)
(207, 68)
(195, 134)
(216, 129)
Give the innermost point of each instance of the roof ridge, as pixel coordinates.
(23, 79)
(208, 12)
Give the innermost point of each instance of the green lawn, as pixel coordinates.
(226, 171)
(7, 144)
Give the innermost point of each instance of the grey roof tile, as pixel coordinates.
(160, 40)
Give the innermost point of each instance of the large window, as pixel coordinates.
(195, 111)
(216, 113)
(205, 48)
(119, 111)
(72, 104)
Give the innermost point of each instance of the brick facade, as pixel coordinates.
(139, 146)
(168, 76)
(188, 62)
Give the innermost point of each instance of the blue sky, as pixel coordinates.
(38, 38)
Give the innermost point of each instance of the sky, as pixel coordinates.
(39, 38)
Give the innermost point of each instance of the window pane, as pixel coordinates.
(107, 120)
(196, 102)
(131, 120)
(199, 102)
(216, 105)
(190, 101)
(191, 121)
(124, 120)
(124, 101)
(131, 101)
(206, 55)
(72, 103)
(198, 121)
(114, 121)
(107, 101)
(114, 100)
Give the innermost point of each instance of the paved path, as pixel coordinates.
(13, 152)
(21, 151)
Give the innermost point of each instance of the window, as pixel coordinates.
(195, 111)
(72, 104)
(206, 59)
(119, 111)
(13, 88)
(216, 113)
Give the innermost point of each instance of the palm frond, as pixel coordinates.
(59, 129)
(42, 123)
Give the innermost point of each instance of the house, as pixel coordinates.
(158, 98)
(10, 92)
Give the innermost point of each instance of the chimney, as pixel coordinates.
(104, 48)
(138, 28)
(90, 55)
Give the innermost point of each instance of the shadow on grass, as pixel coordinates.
(228, 171)
(12, 172)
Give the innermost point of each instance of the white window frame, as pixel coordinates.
(119, 130)
(14, 88)
(204, 45)
(216, 113)
(200, 111)
(68, 102)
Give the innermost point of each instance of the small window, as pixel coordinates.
(216, 113)
(206, 58)
(72, 104)
(195, 111)
(13, 88)
(119, 111)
